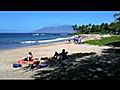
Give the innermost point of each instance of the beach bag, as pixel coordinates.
(17, 65)
(43, 65)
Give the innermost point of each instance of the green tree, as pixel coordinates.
(102, 26)
(117, 17)
(117, 23)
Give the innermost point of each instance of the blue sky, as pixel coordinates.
(28, 21)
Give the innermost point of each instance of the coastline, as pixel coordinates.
(8, 57)
(47, 44)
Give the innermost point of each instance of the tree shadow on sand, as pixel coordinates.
(84, 66)
(25, 69)
(114, 44)
(60, 66)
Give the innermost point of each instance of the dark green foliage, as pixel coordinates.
(104, 28)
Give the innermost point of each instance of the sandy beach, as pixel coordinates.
(8, 57)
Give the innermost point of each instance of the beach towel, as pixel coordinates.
(25, 62)
(21, 62)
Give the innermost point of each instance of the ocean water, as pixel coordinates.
(16, 40)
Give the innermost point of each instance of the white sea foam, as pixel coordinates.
(44, 41)
(42, 34)
(36, 34)
(29, 42)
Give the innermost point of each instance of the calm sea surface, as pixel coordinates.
(16, 40)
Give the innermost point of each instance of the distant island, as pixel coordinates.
(55, 29)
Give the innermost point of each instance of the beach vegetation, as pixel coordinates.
(104, 41)
(103, 28)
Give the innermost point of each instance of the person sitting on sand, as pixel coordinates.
(79, 39)
(63, 54)
(34, 62)
(56, 55)
(29, 58)
(60, 56)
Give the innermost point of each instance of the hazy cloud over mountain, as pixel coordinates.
(55, 29)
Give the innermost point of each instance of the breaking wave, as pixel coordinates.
(44, 41)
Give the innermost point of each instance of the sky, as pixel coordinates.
(28, 21)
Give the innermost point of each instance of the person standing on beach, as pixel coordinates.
(69, 40)
(79, 39)
(76, 39)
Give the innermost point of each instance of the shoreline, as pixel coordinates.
(32, 46)
(89, 37)
(8, 57)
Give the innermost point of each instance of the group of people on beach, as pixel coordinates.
(76, 39)
(34, 62)
(31, 61)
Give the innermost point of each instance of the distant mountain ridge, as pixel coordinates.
(55, 29)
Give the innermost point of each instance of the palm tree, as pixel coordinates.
(93, 28)
(117, 23)
(117, 17)
(102, 26)
(80, 28)
(89, 25)
(75, 28)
